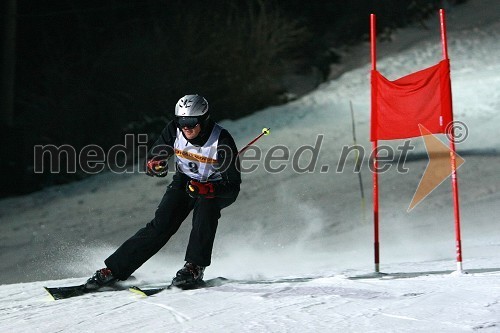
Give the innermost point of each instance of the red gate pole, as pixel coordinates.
(451, 137)
(376, 245)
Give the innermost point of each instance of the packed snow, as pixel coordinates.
(293, 241)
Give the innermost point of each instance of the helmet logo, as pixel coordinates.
(186, 103)
(191, 106)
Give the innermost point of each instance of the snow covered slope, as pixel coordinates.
(441, 303)
(291, 225)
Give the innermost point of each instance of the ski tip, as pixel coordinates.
(138, 291)
(47, 289)
(146, 292)
(221, 278)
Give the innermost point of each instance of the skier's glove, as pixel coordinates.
(196, 189)
(157, 168)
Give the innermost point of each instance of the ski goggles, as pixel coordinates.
(187, 122)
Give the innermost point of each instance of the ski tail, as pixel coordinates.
(66, 292)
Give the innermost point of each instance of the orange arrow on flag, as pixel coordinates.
(438, 168)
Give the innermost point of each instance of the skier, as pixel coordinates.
(207, 179)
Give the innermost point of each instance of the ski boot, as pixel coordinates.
(101, 278)
(188, 277)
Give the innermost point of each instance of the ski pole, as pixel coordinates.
(265, 131)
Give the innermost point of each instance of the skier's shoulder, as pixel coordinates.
(225, 137)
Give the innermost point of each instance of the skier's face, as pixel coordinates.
(191, 133)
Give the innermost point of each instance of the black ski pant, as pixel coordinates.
(171, 212)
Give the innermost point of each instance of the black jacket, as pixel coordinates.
(227, 158)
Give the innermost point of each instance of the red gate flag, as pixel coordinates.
(399, 106)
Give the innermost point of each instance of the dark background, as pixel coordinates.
(88, 72)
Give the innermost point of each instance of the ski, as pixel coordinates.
(149, 291)
(58, 293)
(79, 290)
